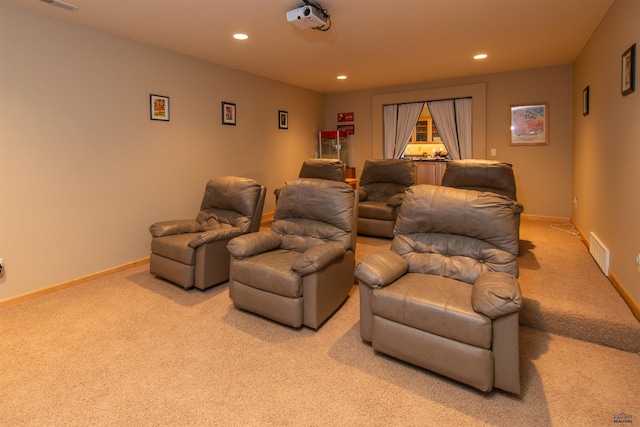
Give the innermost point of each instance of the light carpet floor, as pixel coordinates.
(132, 349)
(565, 291)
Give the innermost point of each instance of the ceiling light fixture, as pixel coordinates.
(480, 56)
(311, 15)
(342, 77)
(62, 4)
(240, 36)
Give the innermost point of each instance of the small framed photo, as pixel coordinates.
(628, 78)
(529, 124)
(228, 113)
(585, 101)
(283, 119)
(349, 129)
(159, 107)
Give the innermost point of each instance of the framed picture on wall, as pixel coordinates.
(345, 117)
(529, 124)
(283, 120)
(228, 113)
(349, 129)
(159, 107)
(585, 101)
(628, 78)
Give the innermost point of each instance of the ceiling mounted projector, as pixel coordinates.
(306, 17)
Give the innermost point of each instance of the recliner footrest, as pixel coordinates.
(462, 362)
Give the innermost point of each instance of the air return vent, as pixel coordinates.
(600, 253)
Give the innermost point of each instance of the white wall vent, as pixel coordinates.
(600, 253)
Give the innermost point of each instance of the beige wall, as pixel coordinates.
(84, 172)
(543, 173)
(592, 158)
(607, 144)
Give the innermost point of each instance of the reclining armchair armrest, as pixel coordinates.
(251, 244)
(517, 207)
(177, 226)
(316, 258)
(395, 200)
(381, 268)
(496, 294)
(362, 195)
(217, 234)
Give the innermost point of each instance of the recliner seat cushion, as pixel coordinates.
(271, 272)
(435, 304)
(375, 210)
(175, 247)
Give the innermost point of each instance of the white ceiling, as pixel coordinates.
(376, 43)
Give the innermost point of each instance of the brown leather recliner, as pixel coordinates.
(331, 169)
(301, 271)
(194, 252)
(382, 186)
(445, 296)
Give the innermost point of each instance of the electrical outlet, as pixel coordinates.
(494, 152)
(638, 262)
(575, 202)
(1, 266)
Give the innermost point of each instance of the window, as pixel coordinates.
(425, 142)
(477, 92)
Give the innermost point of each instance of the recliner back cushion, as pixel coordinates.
(383, 178)
(229, 200)
(312, 211)
(457, 233)
(481, 215)
(331, 169)
(481, 175)
(457, 257)
(381, 192)
(300, 234)
(212, 218)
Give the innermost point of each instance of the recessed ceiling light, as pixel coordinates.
(480, 56)
(342, 77)
(240, 36)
